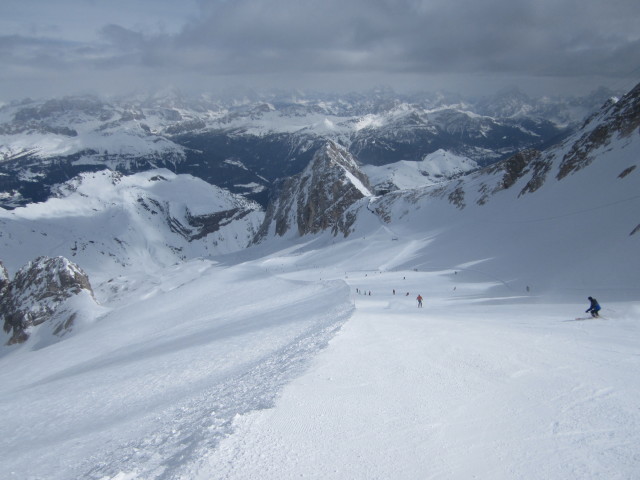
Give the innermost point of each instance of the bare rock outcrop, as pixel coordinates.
(319, 198)
(36, 293)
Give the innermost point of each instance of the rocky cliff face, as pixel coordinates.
(616, 119)
(614, 129)
(37, 292)
(318, 198)
(514, 168)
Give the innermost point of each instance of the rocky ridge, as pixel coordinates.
(319, 198)
(529, 169)
(38, 293)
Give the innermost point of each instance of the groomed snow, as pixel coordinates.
(457, 390)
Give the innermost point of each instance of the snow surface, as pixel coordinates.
(221, 371)
(432, 169)
(124, 142)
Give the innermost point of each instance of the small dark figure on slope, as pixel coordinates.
(594, 308)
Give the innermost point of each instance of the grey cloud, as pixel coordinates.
(372, 38)
(431, 36)
(41, 52)
(122, 37)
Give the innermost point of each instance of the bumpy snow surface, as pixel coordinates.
(283, 366)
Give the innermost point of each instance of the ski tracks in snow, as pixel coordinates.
(196, 425)
(152, 408)
(450, 393)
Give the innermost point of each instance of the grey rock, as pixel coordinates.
(35, 293)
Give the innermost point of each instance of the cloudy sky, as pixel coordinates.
(58, 47)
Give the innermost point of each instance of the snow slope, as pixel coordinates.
(216, 373)
(157, 383)
(467, 387)
(308, 357)
(573, 233)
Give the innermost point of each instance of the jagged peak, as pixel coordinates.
(333, 152)
(4, 277)
(319, 198)
(333, 155)
(616, 118)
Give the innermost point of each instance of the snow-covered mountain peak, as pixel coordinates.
(436, 167)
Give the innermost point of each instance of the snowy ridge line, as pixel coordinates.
(195, 426)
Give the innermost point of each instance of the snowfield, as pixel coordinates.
(433, 169)
(282, 367)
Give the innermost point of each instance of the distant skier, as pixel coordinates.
(594, 308)
(419, 298)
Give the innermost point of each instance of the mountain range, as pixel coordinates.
(248, 144)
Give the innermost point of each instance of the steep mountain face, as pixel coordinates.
(38, 293)
(246, 146)
(578, 200)
(318, 198)
(617, 120)
(615, 126)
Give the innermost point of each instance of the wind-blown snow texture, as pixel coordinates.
(308, 357)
